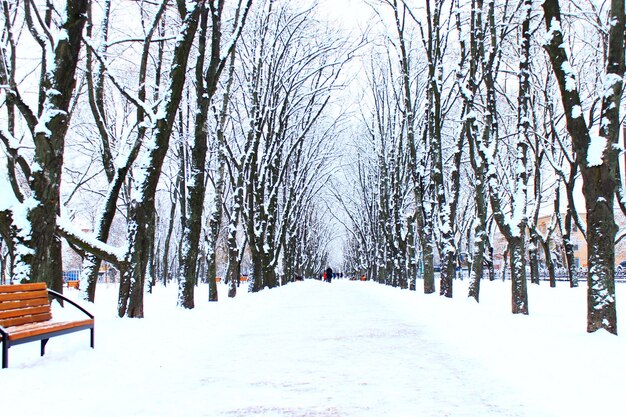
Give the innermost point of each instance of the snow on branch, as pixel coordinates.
(8, 200)
(230, 45)
(595, 153)
(13, 148)
(89, 243)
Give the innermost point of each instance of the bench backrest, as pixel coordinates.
(23, 304)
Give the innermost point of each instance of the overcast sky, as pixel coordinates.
(354, 14)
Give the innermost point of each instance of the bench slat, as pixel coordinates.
(19, 312)
(27, 319)
(23, 287)
(33, 329)
(12, 305)
(16, 296)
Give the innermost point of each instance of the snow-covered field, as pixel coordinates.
(342, 349)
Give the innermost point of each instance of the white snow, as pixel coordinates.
(8, 200)
(316, 349)
(597, 145)
(42, 125)
(570, 79)
(20, 216)
(611, 80)
(68, 226)
(555, 28)
(20, 222)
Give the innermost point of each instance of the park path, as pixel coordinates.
(341, 349)
(308, 349)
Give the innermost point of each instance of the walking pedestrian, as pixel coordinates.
(329, 274)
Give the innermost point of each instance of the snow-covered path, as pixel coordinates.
(350, 349)
(343, 351)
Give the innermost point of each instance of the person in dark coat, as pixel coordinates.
(329, 274)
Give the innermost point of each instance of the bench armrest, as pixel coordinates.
(62, 297)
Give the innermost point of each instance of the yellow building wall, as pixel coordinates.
(579, 242)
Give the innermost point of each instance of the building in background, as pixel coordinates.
(557, 249)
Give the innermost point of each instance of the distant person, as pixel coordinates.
(329, 274)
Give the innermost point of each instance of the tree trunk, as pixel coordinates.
(422, 211)
(505, 261)
(116, 177)
(257, 274)
(518, 276)
(196, 187)
(168, 236)
(428, 260)
(600, 174)
(477, 259)
(480, 232)
(212, 272)
(38, 258)
(533, 255)
(549, 262)
(492, 271)
(3, 263)
(216, 216)
(150, 270)
(570, 259)
(412, 254)
(142, 204)
(448, 219)
(233, 271)
(130, 301)
(44, 262)
(600, 277)
(477, 51)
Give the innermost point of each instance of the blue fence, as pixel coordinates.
(73, 275)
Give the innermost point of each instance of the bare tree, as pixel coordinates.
(206, 84)
(116, 176)
(596, 157)
(289, 76)
(418, 160)
(141, 210)
(39, 258)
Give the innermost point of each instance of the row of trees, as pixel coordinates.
(206, 128)
(192, 125)
(481, 114)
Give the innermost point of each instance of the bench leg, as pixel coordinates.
(44, 342)
(92, 338)
(5, 354)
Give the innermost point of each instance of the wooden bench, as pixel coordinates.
(26, 316)
(73, 284)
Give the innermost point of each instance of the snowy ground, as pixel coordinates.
(342, 349)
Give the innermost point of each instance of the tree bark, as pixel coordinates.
(600, 175)
(477, 51)
(42, 260)
(519, 294)
(549, 262)
(115, 176)
(423, 213)
(142, 204)
(192, 219)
